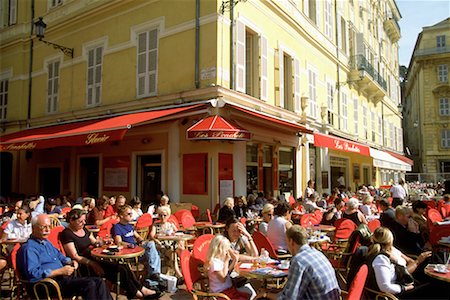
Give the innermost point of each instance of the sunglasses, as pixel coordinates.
(163, 215)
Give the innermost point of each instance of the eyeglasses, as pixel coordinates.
(163, 216)
(42, 227)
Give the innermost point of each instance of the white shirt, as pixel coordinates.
(366, 209)
(385, 275)
(135, 214)
(397, 191)
(215, 284)
(21, 231)
(276, 233)
(341, 180)
(263, 227)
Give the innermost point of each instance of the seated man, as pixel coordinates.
(311, 275)
(38, 259)
(387, 217)
(407, 236)
(124, 233)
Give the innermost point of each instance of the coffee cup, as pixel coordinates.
(441, 268)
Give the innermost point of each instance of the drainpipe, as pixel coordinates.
(197, 43)
(232, 45)
(338, 85)
(30, 77)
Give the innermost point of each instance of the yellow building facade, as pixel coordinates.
(426, 99)
(313, 83)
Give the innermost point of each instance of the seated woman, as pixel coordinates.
(88, 204)
(334, 212)
(19, 228)
(276, 231)
(97, 215)
(352, 212)
(383, 257)
(124, 234)
(136, 203)
(418, 216)
(241, 240)
(367, 208)
(226, 212)
(240, 209)
(77, 242)
(165, 227)
(267, 215)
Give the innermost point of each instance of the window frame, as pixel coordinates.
(442, 72)
(445, 138)
(52, 97)
(444, 108)
(4, 88)
(344, 111)
(94, 84)
(440, 41)
(147, 73)
(312, 91)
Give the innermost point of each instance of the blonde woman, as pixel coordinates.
(368, 209)
(267, 215)
(220, 261)
(382, 258)
(226, 212)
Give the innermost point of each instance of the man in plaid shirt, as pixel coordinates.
(311, 275)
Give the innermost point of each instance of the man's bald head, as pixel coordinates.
(41, 226)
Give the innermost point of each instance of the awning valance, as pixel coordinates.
(340, 144)
(402, 158)
(382, 159)
(82, 133)
(217, 128)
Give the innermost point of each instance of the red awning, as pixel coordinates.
(82, 133)
(340, 144)
(294, 126)
(402, 158)
(217, 128)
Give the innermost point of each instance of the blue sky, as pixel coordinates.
(415, 15)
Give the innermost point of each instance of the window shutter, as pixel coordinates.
(339, 31)
(318, 11)
(141, 63)
(306, 7)
(12, 12)
(281, 71)
(263, 69)
(240, 57)
(347, 37)
(152, 60)
(297, 96)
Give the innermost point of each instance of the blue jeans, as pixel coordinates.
(152, 258)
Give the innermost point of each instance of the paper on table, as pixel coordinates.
(246, 266)
(443, 222)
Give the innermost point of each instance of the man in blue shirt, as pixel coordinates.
(311, 275)
(38, 259)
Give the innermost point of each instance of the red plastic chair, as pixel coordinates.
(3, 227)
(374, 224)
(195, 211)
(191, 275)
(306, 219)
(344, 228)
(105, 229)
(319, 214)
(201, 245)
(53, 237)
(445, 210)
(187, 219)
(291, 200)
(243, 220)
(357, 286)
(261, 241)
(65, 210)
(208, 213)
(438, 232)
(433, 216)
(430, 203)
(146, 220)
(179, 213)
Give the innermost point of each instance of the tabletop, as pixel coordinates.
(326, 228)
(207, 224)
(92, 228)
(13, 241)
(430, 271)
(250, 270)
(123, 253)
(175, 237)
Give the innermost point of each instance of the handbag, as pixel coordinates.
(403, 276)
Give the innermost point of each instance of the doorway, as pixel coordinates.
(6, 163)
(149, 169)
(89, 176)
(50, 181)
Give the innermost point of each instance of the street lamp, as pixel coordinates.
(40, 31)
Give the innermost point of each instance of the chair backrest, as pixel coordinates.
(216, 210)
(175, 221)
(179, 213)
(344, 228)
(374, 224)
(430, 203)
(105, 229)
(357, 286)
(54, 221)
(185, 261)
(65, 210)
(195, 210)
(318, 214)
(187, 219)
(306, 219)
(143, 232)
(445, 210)
(208, 213)
(438, 232)
(53, 237)
(261, 241)
(201, 245)
(243, 220)
(3, 227)
(434, 215)
(146, 220)
(291, 200)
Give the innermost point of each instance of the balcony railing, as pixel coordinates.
(360, 63)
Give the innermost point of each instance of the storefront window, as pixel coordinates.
(252, 169)
(252, 153)
(267, 155)
(286, 169)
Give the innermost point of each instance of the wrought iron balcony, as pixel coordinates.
(392, 29)
(369, 78)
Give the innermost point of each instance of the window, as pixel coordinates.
(312, 10)
(380, 129)
(330, 101)
(445, 138)
(94, 76)
(391, 135)
(344, 113)
(328, 19)
(54, 3)
(385, 132)
(372, 124)
(443, 73)
(147, 59)
(440, 41)
(400, 139)
(52, 86)
(444, 107)
(12, 12)
(3, 99)
(355, 116)
(287, 80)
(251, 64)
(312, 84)
(365, 122)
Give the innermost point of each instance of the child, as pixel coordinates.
(220, 261)
(136, 203)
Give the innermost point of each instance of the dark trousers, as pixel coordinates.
(87, 287)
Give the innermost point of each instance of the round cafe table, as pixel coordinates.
(256, 271)
(429, 270)
(122, 257)
(211, 227)
(174, 239)
(92, 228)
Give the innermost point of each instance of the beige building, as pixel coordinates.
(427, 100)
(285, 91)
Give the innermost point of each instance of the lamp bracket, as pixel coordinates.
(66, 50)
(228, 5)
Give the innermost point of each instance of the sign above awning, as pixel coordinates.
(217, 128)
(82, 133)
(382, 159)
(340, 144)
